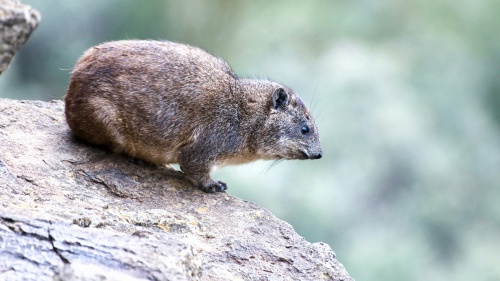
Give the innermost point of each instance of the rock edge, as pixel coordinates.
(70, 211)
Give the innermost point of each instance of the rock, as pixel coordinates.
(17, 22)
(70, 211)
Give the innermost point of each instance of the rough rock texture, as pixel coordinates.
(69, 211)
(17, 21)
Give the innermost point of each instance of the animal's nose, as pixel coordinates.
(317, 156)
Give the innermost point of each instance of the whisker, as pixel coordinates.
(318, 115)
(274, 163)
(313, 101)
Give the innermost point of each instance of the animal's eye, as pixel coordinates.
(304, 130)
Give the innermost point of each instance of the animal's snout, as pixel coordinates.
(317, 155)
(310, 155)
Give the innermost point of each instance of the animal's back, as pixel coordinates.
(146, 98)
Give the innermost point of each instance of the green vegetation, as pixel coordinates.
(407, 99)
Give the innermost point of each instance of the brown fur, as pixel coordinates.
(166, 102)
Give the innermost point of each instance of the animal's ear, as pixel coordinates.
(280, 98)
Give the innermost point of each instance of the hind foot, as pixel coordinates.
(136, 161)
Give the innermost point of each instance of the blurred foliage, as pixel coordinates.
(407, 99)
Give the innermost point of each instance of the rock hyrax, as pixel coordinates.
(165, 102)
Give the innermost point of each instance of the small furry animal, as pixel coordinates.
(166, 102)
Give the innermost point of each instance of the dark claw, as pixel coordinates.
(222, 185)
(218, 186)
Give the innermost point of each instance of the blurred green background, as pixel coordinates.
(407, 100)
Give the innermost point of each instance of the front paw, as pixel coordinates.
(216, 186)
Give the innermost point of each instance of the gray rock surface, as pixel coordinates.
(69, 211)
(17, 22)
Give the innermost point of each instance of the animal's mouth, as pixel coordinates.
(300, 154)
(304, 155)
(307, 155)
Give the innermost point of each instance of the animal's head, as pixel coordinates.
(289, 129)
